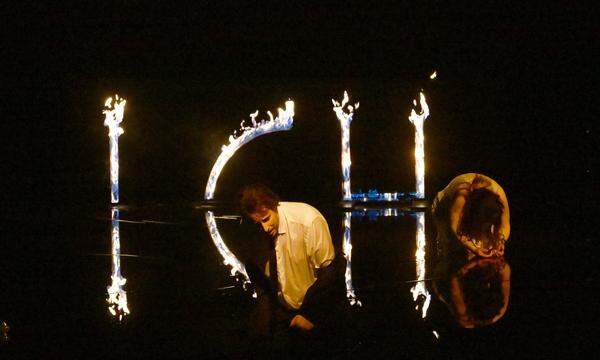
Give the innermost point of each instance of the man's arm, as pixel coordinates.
(322, 256)
(323, 286)
(317, 302)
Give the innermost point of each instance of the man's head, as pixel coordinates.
(259, 203)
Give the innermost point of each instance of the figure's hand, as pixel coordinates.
(466, 241)
(484, 253)
(500, 250)
(302, 323)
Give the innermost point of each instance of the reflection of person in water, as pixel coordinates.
(478, 293)
(473, 209)
(299, 273)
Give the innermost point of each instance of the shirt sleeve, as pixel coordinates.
(318, 243)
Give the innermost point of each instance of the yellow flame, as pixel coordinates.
(345, 118)
(283, 122)
(417, 120)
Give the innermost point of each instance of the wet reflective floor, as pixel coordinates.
(172, 295)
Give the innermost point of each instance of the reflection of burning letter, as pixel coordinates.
(345, 119)
(348, 255)
(419, 290)
(114, 116)
(117, 298)
(228, 258)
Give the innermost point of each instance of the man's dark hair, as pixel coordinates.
(255, 196)
(482, 210)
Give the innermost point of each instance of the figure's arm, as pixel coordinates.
(320, 289)
(322, 256)
(456, 210)
(494, 187)
(505, 219)
(455, 214)
(504, 228)
(319, 246)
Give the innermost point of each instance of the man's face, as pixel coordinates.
(269, 219)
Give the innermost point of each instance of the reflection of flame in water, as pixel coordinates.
(348, 255)
(419, 288)
(283, 121)
(117, 298)
(373, 214)
(228, 258)
(418, 120)
(345, 119)
(113, 117)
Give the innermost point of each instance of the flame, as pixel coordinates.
(345, 119)
(419, 289)
(348, 255)
(113, 117)
(433, 76)
(417, 120)
(117, 297)
(283, 121)
(228, 258)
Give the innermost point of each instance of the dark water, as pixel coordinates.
(184, 303)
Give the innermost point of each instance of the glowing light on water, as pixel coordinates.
(113, 117)
(348, 255)
(419, 290)
(345, 118)
(228, 258)
(283, 121)
(117, 297)
(417, 120)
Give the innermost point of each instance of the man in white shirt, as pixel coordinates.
(299, 268)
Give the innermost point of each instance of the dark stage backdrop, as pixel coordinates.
(507, 100)
(512, 100)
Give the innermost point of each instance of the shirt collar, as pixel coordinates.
(283, 225)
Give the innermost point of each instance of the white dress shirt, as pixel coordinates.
(303, 245)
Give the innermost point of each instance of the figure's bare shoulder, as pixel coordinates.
(462, 180)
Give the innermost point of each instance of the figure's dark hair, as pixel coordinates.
(482, 289)
(482, 210)
(255, 196)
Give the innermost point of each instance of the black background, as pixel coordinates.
(513, 100)
(509, 100)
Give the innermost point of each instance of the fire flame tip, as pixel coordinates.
(346, 98)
